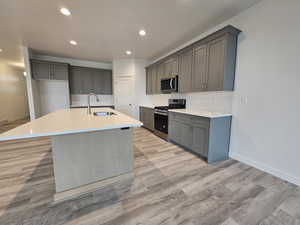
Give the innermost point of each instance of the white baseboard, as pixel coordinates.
(266, 168)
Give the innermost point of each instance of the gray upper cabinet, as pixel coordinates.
(151, 80)
(75, 81)
(154, 87)
(209, 67)
(85, 80)
(160, 75)
(108, 89)
(43, 70)
(170, 67)
(102, 81)
(185, 71)
(60, 71)
(98, 84)
(40, 70)
(216, 64)
(148, 81)
(200, 71)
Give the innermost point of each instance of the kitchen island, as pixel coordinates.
(88, 150)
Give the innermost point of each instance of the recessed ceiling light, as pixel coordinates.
(73, 42)
(128, 52)
(1, 50)
(142, 32)
(65, 11)
(25, 74)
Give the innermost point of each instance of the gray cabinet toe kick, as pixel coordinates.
(207, 137)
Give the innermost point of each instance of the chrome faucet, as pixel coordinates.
(89, 102)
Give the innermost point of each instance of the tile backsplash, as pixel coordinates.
(81, 100)
(205, 101)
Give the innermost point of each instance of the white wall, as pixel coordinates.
(266, 109)
(125, 76)
(266, 125)
(13, 96)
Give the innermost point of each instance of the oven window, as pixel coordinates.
(161, 123)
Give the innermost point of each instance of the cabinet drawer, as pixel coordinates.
(200, 121)
(180, 117)
(190, 119)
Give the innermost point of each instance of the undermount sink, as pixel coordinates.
(104, 113)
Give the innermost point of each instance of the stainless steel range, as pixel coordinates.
(161, 114)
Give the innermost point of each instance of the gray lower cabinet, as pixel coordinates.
(85, 80)
(44, 70)
(147, 117)
(207, 137)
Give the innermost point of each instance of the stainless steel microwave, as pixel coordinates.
(169, 84)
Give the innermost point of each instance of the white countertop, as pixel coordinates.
(207, 114)
(68, 121)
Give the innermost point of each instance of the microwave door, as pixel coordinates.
(165, 84)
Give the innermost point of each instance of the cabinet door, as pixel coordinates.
(151, 119)
(102, 81)
(87, 80)
(174, 131)
(142, 115)
(200, 140)
(154, 89)
(146, 118)
(148, 81)
(160, 75)
(75, 81)
(185, 71)
(108, 90)
(171, 68)
(186, 135)
(98, 81)
(199, 76)
(41, 70)
(60, 72)
(216, 60)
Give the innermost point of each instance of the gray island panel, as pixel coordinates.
(85, 158)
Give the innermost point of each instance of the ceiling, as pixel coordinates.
(105, 29)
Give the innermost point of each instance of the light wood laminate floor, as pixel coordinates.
(170, 187)
(10, 125)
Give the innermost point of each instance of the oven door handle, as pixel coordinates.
(171, 81)
(160, 113)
